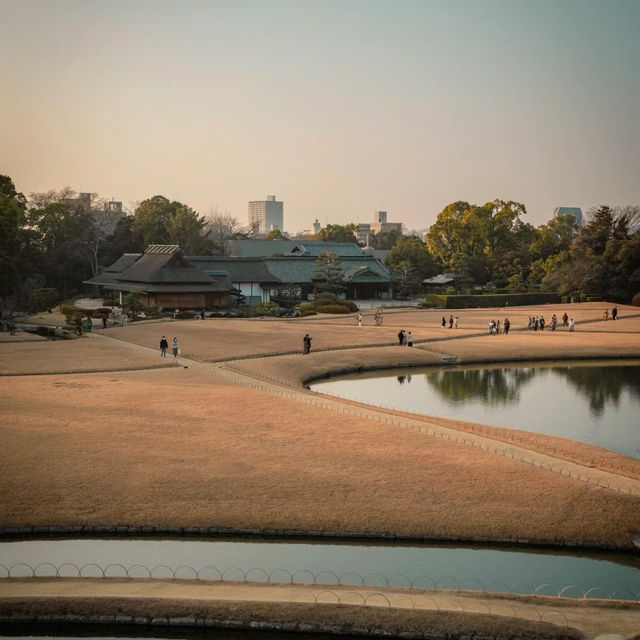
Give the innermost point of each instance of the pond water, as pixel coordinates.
(446, 567)
(597, 403)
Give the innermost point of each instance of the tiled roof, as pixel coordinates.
(270, 248)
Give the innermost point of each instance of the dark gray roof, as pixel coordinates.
(238, 269)
(269, 248)
(303, 270)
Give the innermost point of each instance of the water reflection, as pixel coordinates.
(596, 403)
(492, 386)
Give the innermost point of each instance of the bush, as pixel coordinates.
(307, 307)
(333, 308)
(151, 312)
(268, 309)
(325, 295)
(186, 315)
(43, 299)
(308, 312)
(635, 301)
(350, 304)
(490, 300)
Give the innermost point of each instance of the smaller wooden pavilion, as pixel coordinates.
(164, 277)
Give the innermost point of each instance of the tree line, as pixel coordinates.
(53, 240)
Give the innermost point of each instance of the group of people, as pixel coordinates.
(536, 323)
(614, 314)
(453, 322)
(164, 346)
(405, 339)
(495, 328)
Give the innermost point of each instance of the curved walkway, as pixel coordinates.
(592, 617)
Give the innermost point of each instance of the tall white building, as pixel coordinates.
(266, 215)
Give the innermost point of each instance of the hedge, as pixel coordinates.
(489, 300)
(332, 308)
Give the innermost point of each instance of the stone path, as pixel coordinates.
(593, 618)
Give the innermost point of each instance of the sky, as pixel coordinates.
(338, 107)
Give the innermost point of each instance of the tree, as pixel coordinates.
(328, 276)
(275, 234)
(384, 239)
(187, 229)
(132, 305)
(336, 233)
(553, 237)
(14, 240)
(411, 259)
(221, 228)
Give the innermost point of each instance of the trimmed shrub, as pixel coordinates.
(325, 295)
(186, 315)
(635, 301)
(333, 308)
(306, 307)
(308, 312)
(268, 309)
(490, 300)
(350, 304)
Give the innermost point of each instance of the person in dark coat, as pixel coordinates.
(306, 344)
(164, 345)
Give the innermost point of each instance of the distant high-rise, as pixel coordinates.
(380, 223)
(576, 212)
(266, 215)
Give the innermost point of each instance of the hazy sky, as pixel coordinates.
(339, 108)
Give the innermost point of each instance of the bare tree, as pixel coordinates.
(221, 227)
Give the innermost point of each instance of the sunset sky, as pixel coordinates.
(339, 108)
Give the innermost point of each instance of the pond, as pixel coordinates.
(515, 570)
(597, 403)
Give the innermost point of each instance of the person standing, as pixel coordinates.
(565, 319)
(104, 322)
(400, 337)
(572, 324)
(444, 322)
(507, 325)
(359, 319)
(89, 324)
(409, 340)
(306, 344)
(451, 321)
(614, 313)
(455, 322)
(176, 347)
(164, 345)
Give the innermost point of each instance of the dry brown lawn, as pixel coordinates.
(174, 447)
(73, 356)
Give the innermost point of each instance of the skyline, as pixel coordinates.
(338, 108)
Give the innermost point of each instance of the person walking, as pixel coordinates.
(104, 322)
(89, 324)
(455, 322)
(507, 325)
(306, 344)
(359, 319)
(444, 322)
(614, 313)
(409, 340)
(176, 347)
(565, 319)
(451, 321)
(400, 337)
(572, 325)
(164, 345)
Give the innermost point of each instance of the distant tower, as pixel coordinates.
(266, 215)
(576, 212)
(316, 226)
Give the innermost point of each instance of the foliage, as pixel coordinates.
(326, 295)
(328, 276)
(42, 299)
(635, 301)
(350, 304)
(160, 221)
(307, 307)
(411, 262)
(384, 240)
(132, 305)
(336, 233)
(308, 312)
(491, 300)
(275, 234)
(268, 309)
(332, 308)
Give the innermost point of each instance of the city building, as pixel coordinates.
(380, 223)
(363, 231)
(576, 212)
(266, 215)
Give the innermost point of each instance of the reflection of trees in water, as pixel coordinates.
(491, 386)
(602, 385)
